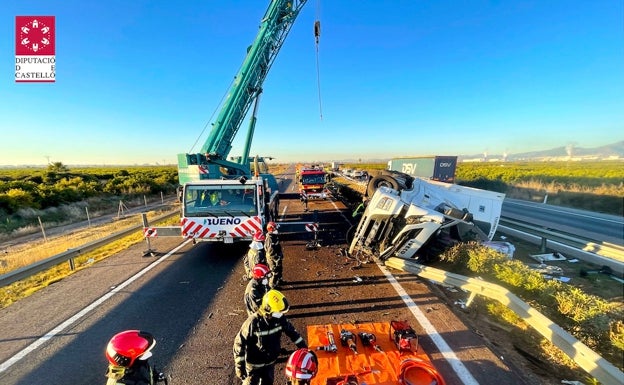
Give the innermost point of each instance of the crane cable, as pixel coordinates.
(213, 115)
(317, 35)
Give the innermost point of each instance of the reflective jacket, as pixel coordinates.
(257, 344)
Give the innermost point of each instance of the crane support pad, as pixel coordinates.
(382, 366)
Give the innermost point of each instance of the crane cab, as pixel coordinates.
(227, 210)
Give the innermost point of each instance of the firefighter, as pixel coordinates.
(257, 287)
(257, 344)
(301, 367)
(255, 254)
(274, 254)
(128, 355)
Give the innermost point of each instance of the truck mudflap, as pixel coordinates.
(358, 361)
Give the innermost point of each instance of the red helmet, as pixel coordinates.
(125, 347)
(260, 271)
(258, 236)
(302, 365)
(272, 226)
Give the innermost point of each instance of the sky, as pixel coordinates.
(138, 82)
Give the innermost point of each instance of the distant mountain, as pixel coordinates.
(610, 151)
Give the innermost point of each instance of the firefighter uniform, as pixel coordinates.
(254, 255)
(257, 346)
(274, 257)
(255, 290)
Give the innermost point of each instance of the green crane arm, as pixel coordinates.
(247, 86)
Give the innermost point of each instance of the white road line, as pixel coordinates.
(340, 211)
(24, 352)
(448, 354)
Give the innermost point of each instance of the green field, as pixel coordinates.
(588, 185)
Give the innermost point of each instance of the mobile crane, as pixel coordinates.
(222, 200)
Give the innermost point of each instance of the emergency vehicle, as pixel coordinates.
(312, 182)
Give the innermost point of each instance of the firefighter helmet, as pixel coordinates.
(260, 271)
(258, 236)
(125, 347)
(273, 302)
(302, 365)
(272, 226)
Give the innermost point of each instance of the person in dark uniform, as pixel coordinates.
(257, 287)
(255, 254)
(258, 343)
(274, 254)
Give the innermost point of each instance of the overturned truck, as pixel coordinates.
(407, 217)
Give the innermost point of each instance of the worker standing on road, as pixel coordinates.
(274, 254)
(257, 287)
(255, 254)
(257, 345)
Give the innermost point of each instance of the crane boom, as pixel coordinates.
(246, 88)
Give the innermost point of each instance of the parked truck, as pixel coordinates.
(440, 168)
(405, 220)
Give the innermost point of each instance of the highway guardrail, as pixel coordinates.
(590, 361)
(608, 255)
(70, 254)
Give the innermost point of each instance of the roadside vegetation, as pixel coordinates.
(596, 321)
(33, 252)
(588, 185)
(58, 195)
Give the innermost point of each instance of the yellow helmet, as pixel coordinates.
(273, 302)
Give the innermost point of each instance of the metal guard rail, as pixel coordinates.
(590, 361)
(604, 249)
(70, 254)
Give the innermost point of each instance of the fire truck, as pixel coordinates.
(312, 182)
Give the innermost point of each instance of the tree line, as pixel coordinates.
(40, 189)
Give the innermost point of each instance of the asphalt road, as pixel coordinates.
(191, 300)
(599, 228)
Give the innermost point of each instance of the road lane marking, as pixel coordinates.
(446, 351)
(60, 328)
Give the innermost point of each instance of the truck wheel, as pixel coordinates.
(381, 180)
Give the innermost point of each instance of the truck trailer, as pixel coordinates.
(438, 168)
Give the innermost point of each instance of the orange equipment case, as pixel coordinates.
(369, 366)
